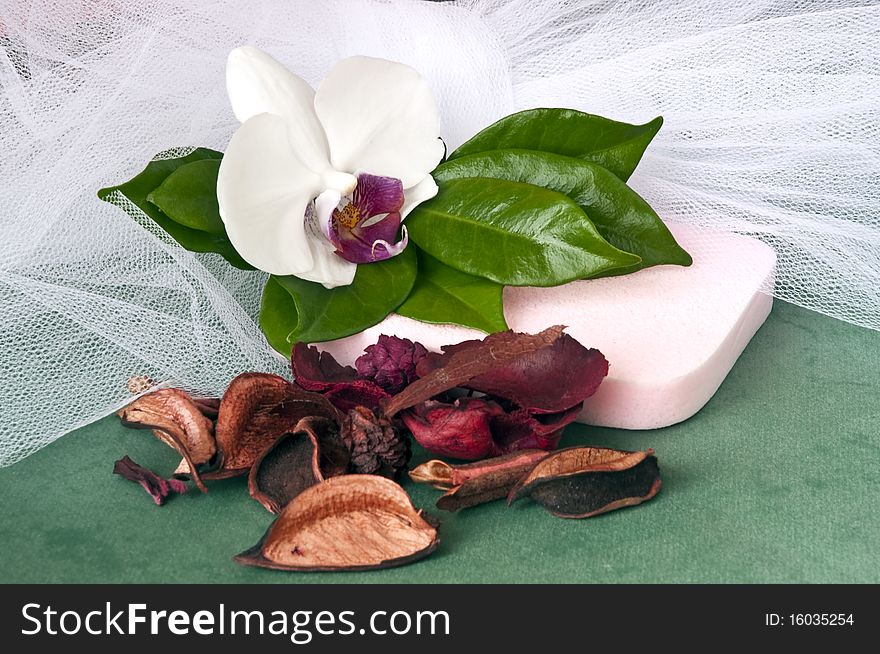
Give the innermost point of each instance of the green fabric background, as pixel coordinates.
(775, 480)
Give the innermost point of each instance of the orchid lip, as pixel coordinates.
(363, 226)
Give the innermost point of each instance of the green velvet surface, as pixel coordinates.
(775, 480)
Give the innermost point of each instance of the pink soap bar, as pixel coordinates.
(671, 334)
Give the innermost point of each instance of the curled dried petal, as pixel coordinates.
(157, 487)
(461, 430)
(255, 411)
(470, 484)
(581, 482)
(177, 421)
(494, 351)
(285, 470)
(545, 380)
(351, 522)
(318, 371)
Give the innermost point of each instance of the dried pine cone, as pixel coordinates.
(376, 446)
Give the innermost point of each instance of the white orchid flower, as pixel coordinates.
(314, 183)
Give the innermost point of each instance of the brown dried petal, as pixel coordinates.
(177, 421)
(255, 411)
(475, 483)
(351, 522)
(286, 469)
(580, 482)
(495, 351)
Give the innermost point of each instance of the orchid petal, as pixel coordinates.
(257, 83)
(380, 117)
(328, 268)
(415, 195)
(263, 190)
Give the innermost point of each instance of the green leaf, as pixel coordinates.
(512, 233)
(445, 295)
(189, 197)
(278, 316)
(622, 217)
(327, 314)
(613, 145)
(139, 187)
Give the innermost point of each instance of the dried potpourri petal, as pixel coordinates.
(255, 411)
(494, 351)
(287, 467)
(534, 386)
(318, 371)
(178, 422)
(157, 487)
(580, 482)
(461, 430)
(351, 522)
(470, 484)
(376, 445)
(391, 362)
(550, 379)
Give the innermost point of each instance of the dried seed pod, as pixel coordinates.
(471, 484)
(178, 422)
(255, 411)
(292, 464)
(351, 522)
(580, 482)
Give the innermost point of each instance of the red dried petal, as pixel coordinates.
(520, 430)
(461, 430)
(547, 380)
(158, 487)
(318, 371)
(362, 392)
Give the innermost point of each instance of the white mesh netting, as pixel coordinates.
(771, 129)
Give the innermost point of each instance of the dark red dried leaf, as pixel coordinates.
(391, 362)
(158, 487)
(362, 392)
(546, 380)
(318, 371)
(494, 351)
(520, 430)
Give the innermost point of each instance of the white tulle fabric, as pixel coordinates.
(772, 129)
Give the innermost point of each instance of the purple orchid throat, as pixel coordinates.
(364, 228)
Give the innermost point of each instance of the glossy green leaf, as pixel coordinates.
(445, 295)
(616, 146)
(622, 217)
(189, 197)
(139, 187)
(278, 316)
(323, 314)
(512, 233)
